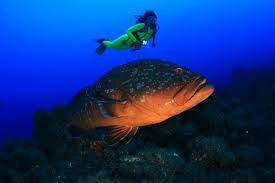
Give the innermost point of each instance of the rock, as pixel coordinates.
(9, 175)
(173, 133)
(153, 163)
(92, 179)
(211, 152)
(247, 155)
(24, 159)
(50, 133)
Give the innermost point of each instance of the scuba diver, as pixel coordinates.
(145, 28)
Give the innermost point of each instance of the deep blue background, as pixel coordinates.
(47, 47)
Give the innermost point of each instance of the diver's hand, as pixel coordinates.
(138, 43)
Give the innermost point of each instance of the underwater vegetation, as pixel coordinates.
(227, 138)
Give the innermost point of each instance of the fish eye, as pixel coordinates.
(178, 70)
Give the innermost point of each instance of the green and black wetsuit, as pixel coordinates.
(134, 36)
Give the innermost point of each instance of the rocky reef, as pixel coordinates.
(227, 138)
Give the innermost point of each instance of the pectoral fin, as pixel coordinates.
(102, 99)
(103, 110)
(120, 135)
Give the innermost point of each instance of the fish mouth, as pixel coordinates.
(201, 86)
(197, 91)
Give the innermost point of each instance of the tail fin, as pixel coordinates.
(101, 48)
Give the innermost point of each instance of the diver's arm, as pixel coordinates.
(134, 28)
(154, 41)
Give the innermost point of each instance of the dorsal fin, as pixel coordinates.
(120, 135)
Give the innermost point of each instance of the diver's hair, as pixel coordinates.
(143, 19)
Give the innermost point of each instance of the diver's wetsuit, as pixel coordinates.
(134, 37)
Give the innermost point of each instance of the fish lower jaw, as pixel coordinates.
(201, 87)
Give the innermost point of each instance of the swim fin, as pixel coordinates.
(101, 48)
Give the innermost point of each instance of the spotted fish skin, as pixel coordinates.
(143, 76)
(138, 93)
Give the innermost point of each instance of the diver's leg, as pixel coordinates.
(108, 43)
(119, 43)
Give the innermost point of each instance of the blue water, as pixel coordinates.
(47, 47)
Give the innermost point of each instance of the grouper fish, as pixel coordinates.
(135, 94)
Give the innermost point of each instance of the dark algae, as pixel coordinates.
(229, 137)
